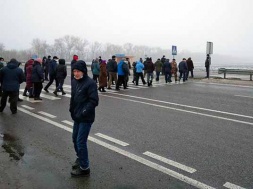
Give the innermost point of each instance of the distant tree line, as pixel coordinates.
(65, 47)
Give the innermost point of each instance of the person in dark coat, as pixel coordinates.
(190, 66)
(84, 99)
(182, 67)
(11, 76)
(102, 77)
(46, 67)
(52, 73)
(37, 78)
(167, 71)
(95, 69)
(149, 67)
(28, 74)
(74, 60)
(61, 74)
(112, 68)
(207, 65)
(1, 66)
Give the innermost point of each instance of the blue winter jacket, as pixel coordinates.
(120, 68)
(95, 68)
(52, 67)
(139, 67)
(11, 76)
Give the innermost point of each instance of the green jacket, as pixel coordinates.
(158, 66)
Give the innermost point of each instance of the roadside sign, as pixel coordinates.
(209, 47)
(174, 50)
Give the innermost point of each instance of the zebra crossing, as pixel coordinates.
(67, 89)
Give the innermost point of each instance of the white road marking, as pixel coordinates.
(66, 95)
(170, 162)
(68, 122)
(27, 107)
(116, 141)
(187, 106)
(132, 156)
(47, 114)
(232, 186)
(49, 97)
(181, 110)
(229, 85)
(30, 99)
(244, 96)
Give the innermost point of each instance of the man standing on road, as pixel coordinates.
(84, 99)
(190, 67)
(11, 76)
(182, 67)
(112, 69)
(75, 59)
(52, 73)
(207, 65)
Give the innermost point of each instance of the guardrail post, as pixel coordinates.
(224, 74)
(250, 77)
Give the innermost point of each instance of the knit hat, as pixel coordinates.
(75, 57)
(38, 60)
(62, 61)
(81, 66)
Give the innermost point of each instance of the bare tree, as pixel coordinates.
(95, 50)
(128, 48)
(39, 47)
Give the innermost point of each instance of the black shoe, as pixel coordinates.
(31, 96)
(55, 93)
(14, 112)
(1, 109)
(76, 164)
(109, 88)
(38, 98)
(63, 93)
(80, 172)
(20, 100)
(125, 88)
(117, 89)
(46, 90)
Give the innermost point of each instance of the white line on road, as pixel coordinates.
(127, 154)
(244, 96)
(68, 122)
(232, 186)
(229, 85)
(47, 114)
(66, 95)
(170, 162)
(182, 105)
(116, 141)
(27, 107)
(181, 110)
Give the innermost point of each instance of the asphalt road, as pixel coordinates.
(187, 135)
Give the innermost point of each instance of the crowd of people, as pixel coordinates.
(106, 73)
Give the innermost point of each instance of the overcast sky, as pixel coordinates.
(188, 24)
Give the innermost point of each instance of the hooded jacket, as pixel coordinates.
(37, 72)
(11, 76)
(139, 67)
(84, 96)
(61, 70)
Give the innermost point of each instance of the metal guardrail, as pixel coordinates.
(235, 71)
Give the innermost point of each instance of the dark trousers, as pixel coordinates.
(37, 87)
(182, 73)
(60, 86)
(207, 71)
(13, 95)
(46, 73)
(189, 72)
(95, 78)
(142, 78)
(121, 80)
(51, 80)
(167, 77)
(157, 75)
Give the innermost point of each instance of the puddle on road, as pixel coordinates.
(10, 145)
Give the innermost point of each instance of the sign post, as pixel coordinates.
(209, 47)
(174, 50)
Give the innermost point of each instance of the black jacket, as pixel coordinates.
(61, 71)
(37, 73)
(84, 99)
(112, 66)
(11, 76)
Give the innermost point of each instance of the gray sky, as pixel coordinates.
(188, 24)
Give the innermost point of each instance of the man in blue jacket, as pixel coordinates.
(84, 99)
(11, 76)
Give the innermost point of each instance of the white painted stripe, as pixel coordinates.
(132, 156)
(68, 122)
(232, 186)
(170, 162)
(116, 141)
(27, 107)
(181, 110)
(66, 95)
(47, 114)
(30, 99)
(49, 97)
(187, 106)
(244, 96)
(229, 85)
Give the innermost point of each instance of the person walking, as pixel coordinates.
(122, 68)
(207, 65)
(102, 77)
(150, 71)
(61, 74)
(52, 74)
(95, 69)
(112, 68)
(37, 78)
(11, 76)
(46, 68)
(174, 69)
(1, 66)
(182, 67)
(167, 71)
(190, 66)
(158, 68)
(28, 74)
(139, 72)
(84, 99)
